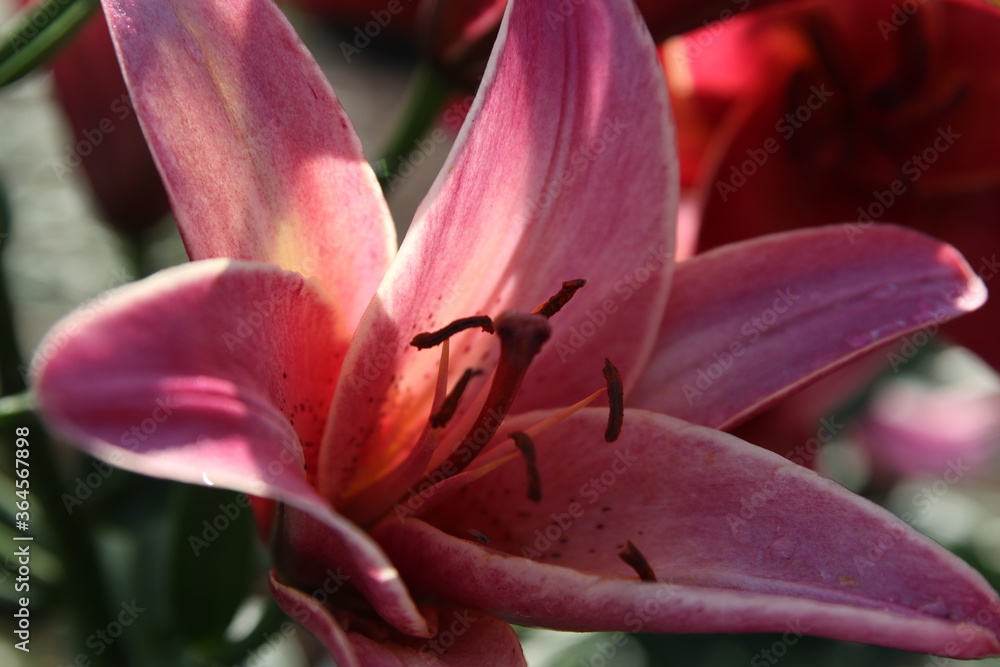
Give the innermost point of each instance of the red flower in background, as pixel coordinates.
(852, 112)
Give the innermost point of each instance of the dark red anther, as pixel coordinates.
(635, 560)
(428, 339)
(616, 398)
(560, 298)
(527, 446)
(444, 414)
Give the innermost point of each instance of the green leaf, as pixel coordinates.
(40, 34)
(212, 560)
(12, 369)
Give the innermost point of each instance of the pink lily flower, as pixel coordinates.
(279, 363)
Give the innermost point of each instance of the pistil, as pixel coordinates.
(521, 338)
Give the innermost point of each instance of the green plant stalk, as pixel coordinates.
(11, 365)
(427, 97)
(137, 250)
(40, 34)
(83, 578)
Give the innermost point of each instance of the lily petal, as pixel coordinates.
(258, 156)
(228, 359)
(466, 637)
(740, 540)
(557, 174)
(308, 611)
(308, 547)
(750, 322)
(911, 429)
(218, 372)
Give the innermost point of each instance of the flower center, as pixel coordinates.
(447, 448)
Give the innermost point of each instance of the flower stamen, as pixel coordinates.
(635, 560)
(428, 339)
(521, 338)
(524, 443)
(616, 397)
(560, 298)
(524, 440)
(447, 409)
(441, 386)
(550, 421)
(440, 454)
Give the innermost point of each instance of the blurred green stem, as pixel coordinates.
(137, 245)
(40, 34)
(83, 580)
(11, 365)
(11, 381)
(428, 94)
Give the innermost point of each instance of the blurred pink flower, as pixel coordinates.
(913, 429)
